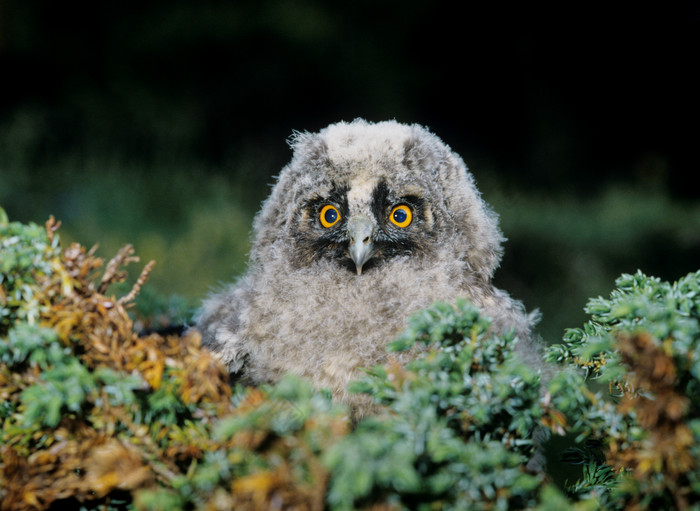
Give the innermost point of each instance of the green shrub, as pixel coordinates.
(643, 343)
(458, 426)
(28, 255)
(96, 416)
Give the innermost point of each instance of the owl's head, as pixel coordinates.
(359, 194)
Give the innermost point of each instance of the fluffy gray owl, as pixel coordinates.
(366, 225)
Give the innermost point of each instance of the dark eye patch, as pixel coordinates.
(383, 201)
(338, 197)
(314, 241)
(393, 240)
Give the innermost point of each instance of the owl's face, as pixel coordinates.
(359, 195)
(362, 224)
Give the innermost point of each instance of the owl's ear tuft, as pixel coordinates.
(418, 152)
(410, 146)
(413, 153)
(309, 147)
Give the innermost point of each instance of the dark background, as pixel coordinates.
(161, 123)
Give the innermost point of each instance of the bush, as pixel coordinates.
(643, 343)
(96, 416)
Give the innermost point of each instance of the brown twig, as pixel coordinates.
(111, 275)
(51, 227)
(137, 285)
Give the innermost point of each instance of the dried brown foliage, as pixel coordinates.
(660, 409)
(87, 458)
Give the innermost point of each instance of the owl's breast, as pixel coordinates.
(326, 323)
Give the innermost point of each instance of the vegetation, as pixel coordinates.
(96, 415)
(643, 343)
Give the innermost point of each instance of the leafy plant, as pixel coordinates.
(643, 342)
(458, 428)
(28, 255)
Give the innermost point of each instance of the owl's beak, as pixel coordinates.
(361, 247)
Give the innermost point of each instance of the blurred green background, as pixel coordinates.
(162, 124)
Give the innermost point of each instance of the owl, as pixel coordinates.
(368, 223)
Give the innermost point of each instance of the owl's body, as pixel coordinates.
(368, 224)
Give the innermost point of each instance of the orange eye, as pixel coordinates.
(329, 216)
(401, 216)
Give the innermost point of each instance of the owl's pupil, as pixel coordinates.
(331, 216)
(400, 216)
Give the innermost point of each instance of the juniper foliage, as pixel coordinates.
(457, 428)
(28, 254)
(643, 342)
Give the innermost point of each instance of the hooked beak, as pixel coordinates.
(361, 247)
